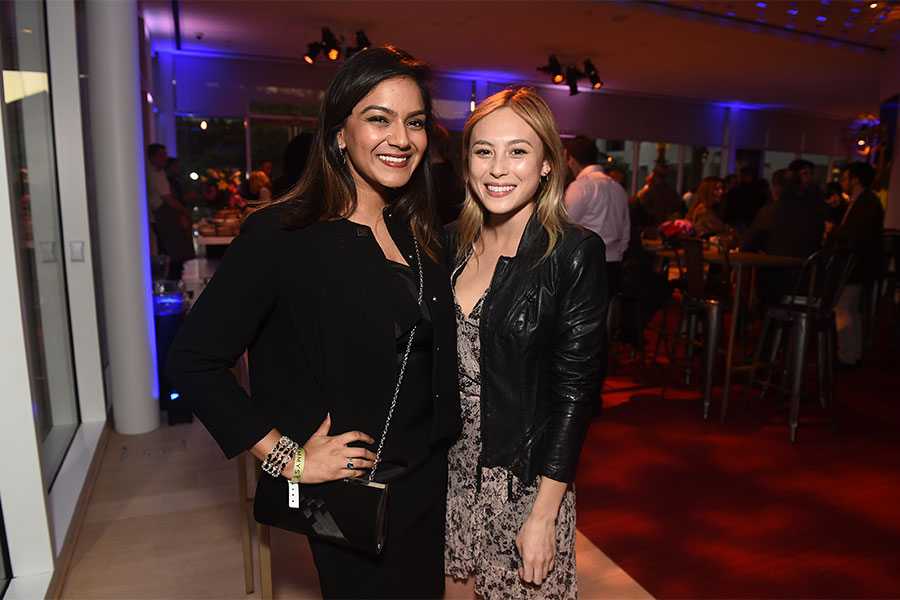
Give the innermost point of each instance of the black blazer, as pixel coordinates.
(863, 229)
(313, 306)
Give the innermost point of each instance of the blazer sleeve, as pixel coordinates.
(578, 360)
(219, 328)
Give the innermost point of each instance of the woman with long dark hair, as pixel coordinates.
(328, 290)
(531, 293)
(705, 211)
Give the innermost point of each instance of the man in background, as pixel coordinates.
(789, 226)
(596, 202)
(658, 197)
(862, 228)
(744, 200)
(171, 217)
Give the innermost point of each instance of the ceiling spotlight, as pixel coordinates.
(312, 51)
(592, 74)
(330, 44)
(553, 68)
(572, 77)
(860, 142)
(873, 5)
(362, 42)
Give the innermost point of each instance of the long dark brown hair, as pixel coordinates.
(327, 191)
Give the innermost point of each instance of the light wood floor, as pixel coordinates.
(163, 522)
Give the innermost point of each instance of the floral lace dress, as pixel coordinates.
(486, 507)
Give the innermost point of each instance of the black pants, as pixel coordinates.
(412, 562)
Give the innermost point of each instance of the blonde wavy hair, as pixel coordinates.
(550, 202)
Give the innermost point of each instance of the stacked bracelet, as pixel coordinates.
(278, 458)
(299, 464)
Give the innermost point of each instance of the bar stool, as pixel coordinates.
(241, 373)
(697, 302)
(808, 310)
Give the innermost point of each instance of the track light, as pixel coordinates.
(330, 44)
(553, 68)
(362, 42)
(572, 77)
(312, 50)
(592, 74)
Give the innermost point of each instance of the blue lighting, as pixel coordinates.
(760, 4)
(761, 20)
(848, 24)
(168, 305)
(855, 9)
(793, 11)
(882, 16)
(821, 19)
(826, 2)
(730, 14)
(174, 396)
(872, 30)
(789, 26)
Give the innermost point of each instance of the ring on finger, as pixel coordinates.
(349, 463)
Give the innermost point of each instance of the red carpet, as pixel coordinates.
(694, 509)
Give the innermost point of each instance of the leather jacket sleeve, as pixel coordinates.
(578, 355)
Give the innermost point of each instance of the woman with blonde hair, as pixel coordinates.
(530, 291)
(704, 211)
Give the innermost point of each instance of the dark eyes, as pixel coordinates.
(382, 120)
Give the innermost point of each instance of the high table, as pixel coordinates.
(737, 260)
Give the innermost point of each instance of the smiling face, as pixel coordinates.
(384, 137)
(505, 164)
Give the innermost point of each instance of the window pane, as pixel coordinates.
(653, 153)
(38, 236)
(616, 156)
(700, 162)
(776, 160)
(213, 154)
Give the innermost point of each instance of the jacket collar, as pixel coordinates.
(534, 239)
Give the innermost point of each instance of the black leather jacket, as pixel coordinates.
(543, 352)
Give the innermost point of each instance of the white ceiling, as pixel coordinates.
(638, 47)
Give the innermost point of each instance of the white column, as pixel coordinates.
(118, 146)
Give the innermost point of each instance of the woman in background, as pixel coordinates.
(531, 294)
(705, 210)
(321, 289)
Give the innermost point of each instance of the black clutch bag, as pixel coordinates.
(347, 512)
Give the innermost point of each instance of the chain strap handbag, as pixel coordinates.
(348, 512)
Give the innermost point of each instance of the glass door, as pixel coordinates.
(34, 203)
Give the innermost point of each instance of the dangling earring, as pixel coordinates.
(344, 155)
(544, 179)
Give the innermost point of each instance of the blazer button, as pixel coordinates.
(434, 298)
(436, 396)
(437, 348)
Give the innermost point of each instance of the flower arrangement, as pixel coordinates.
(221, 187)
(679, 228)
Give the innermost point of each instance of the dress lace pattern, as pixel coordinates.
(486, 507)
